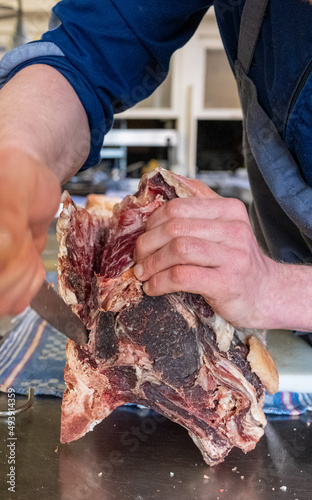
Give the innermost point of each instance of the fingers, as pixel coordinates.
(198, 208)
(12, 231)
(21, 279)
(215, 231)
(29, 198)
(29, 191)
(181, 251)
(192, 279)
(159, 236)
(19, 297)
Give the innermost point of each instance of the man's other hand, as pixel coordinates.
(29, 198)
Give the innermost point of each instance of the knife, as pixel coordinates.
(51, 307)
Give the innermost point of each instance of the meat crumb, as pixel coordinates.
(308, 424)
(242, 477)
(206, 477)
(283, 488)
(234, 469)
(100, 474)
(221, 490)
(171, 474)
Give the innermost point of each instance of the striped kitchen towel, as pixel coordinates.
(287, 403)
(33, 355)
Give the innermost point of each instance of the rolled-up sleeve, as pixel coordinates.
(114, 53)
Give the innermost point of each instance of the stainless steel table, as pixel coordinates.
(138, 455)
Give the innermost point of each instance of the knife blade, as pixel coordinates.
(51, 307)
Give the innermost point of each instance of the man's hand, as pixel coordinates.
(205, 245)
(29, 198)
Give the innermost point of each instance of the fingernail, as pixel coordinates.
(138, 271)
(145, 287)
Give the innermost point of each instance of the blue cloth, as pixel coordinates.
(287, 403)
(33, 356)
(115, 53)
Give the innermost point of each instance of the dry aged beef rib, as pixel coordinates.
(170, 353)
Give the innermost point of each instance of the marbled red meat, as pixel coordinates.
(172, 353)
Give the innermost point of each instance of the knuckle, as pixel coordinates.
(181, 247)
(139, 245)
(174, 228)
(245, 230)
(154, 282)
(238, 208)
(177, 275)
(152, 264)
(239, 230)
(173, 208)
(236, 229)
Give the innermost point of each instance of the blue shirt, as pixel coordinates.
(115, 53)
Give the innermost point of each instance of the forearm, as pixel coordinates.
(288, 303)
(42, 115)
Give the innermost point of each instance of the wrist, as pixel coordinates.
(24, 178)
(286, 304)
(12, 148)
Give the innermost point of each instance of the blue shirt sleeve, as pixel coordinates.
(114, 53)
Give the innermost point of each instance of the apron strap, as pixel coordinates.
(251, 22)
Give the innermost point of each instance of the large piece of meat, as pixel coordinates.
(170, 353)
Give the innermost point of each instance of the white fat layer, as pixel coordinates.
(68, 296)
(142, 377)
(93, 424)
(224, 333)
(187, 315)
(244, 333)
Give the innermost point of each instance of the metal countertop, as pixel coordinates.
(138, 455)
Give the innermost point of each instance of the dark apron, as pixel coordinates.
(281, 212)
